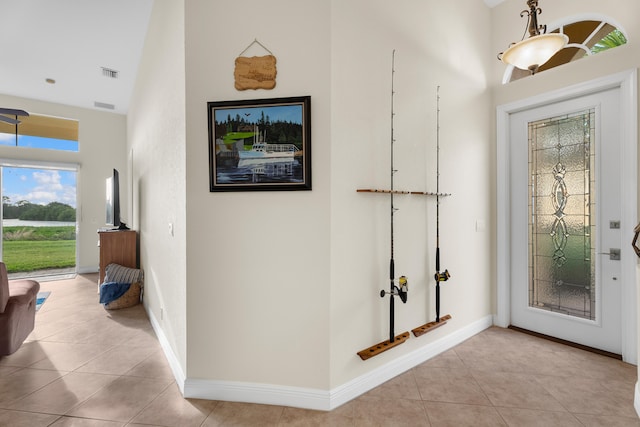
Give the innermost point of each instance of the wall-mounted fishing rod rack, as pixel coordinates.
(374, 350)
(399, 287)
(430, 326)
(419, 193)
(420, 330)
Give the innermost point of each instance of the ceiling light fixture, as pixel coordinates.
(531, 53)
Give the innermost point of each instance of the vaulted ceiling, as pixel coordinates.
(83, 53)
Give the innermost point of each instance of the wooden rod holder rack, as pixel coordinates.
(428, 327)
(375, 350)
(422, 193)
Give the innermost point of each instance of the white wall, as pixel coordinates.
(283, 287)
(444, 45)
(258, 262)
(291, 303)
(156, 153)
(102, 141)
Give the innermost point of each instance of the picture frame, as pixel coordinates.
(260, 144)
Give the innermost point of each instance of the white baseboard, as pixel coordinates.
(312, 398)
(358, 386)
(178, 373)
(636, 398)
(266, 394)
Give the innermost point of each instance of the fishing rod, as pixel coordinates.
(399, 290)
(394, 290)
(440, 276)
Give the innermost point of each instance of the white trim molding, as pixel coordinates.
(324, 400)
(265, 394)
(360, 385)
(636, 398)
(174, 364)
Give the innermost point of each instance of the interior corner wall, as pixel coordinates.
(437, 44)
(258, 261)
(284, 286)
(102, 142)
(156, 159)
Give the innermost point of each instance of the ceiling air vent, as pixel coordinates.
(108, 72)
(104, 105)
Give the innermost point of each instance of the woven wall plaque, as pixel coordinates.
(256, 72)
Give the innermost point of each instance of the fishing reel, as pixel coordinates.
(442, 277)
(400, 290)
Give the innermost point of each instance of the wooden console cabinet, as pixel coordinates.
(117, 246)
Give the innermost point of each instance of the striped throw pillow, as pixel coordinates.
(121, 274)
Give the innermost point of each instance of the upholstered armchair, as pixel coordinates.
(17, 311)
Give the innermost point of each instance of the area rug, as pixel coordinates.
(41, 298)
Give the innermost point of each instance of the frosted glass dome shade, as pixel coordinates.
(531, 53)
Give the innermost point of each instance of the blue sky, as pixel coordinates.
(39, 186)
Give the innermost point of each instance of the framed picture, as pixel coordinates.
(262, 144)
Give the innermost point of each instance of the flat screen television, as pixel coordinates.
(113, 200)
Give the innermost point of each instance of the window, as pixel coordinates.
(586, 38)
(562, 212)
(46, 132)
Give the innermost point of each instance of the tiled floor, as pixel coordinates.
(85, 366)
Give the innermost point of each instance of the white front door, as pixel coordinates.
(566, 211)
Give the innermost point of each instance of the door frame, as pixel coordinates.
(627, 82)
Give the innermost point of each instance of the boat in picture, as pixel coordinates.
(261, 150)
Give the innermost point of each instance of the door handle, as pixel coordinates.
(614, 254)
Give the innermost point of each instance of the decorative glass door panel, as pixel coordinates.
(564, 192)
(562, 215)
